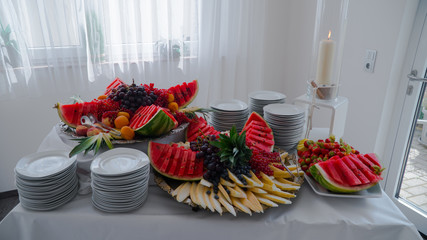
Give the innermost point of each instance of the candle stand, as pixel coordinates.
(338, 106)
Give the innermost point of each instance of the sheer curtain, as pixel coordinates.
(80, 45)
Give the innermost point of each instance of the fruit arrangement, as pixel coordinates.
(227, 172)
(337, 166)
(128, 112)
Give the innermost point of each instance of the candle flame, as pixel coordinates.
(329, 35)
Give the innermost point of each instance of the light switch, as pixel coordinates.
(369, 61)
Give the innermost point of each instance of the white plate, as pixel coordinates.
(373, 192)
(229, 105)
(284, 109)
(267, 95)
(43, 164)
(119, 161)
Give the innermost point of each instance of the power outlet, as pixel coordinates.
(369, 61)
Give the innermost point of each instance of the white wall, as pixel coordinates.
(288, 40)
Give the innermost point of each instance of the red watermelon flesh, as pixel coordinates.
(199, 127)
(349, 177)
(365, 169)
(374, 167)
(330, 169)
(175, 162)
(167, 158)
(184, 93)
(359, 174)
(114, 84)
(373, 158)
(258, 134)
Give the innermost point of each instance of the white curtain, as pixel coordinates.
(65, 46)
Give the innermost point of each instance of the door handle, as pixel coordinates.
(413, 76)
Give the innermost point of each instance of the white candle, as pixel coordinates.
(325, 61)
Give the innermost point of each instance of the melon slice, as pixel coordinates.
(199, 128)
(114, 84)
(185, 93)
(152, 121)
(173, 161)
(336, 176)
(258, 133)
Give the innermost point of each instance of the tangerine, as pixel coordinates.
(126, 114)
(127, 133)
(121, 121)
(101, 97)
(171, 98)
(173, 106)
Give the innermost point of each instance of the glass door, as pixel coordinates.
(406, 181)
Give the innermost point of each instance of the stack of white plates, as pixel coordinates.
(228, 113)
(46, 180)
(259, 99)
(120, 180)
(287, 122)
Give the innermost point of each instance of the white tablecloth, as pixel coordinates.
(310, 216)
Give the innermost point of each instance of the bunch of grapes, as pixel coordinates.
(132, 97)
(211, 160)
(261, 159)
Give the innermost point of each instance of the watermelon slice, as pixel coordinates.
(70, 114)
(152, 121)
(114, 84)
(185, 93)
(258, 133)
(199, 128)
(344, 175)
(175, 162)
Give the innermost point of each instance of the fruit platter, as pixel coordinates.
(337, 167)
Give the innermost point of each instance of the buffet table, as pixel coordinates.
(310, 216)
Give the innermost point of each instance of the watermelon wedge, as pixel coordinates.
(175, 162)
(185, 93)
(152, 121)
(258, 133)
(199, 128)
(345, 175)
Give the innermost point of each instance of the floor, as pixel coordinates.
(414, 184)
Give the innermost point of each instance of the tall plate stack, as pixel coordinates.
(287, 122)
(46, 180)
(228, 113)
(120, 180)
(259, 99)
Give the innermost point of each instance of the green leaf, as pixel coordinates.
(84, 144)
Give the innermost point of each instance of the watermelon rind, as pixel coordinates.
(152, 148)
(327, 182)
(177, 90)
(158, 125)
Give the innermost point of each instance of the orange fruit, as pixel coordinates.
(173, 106)
(127, 133)
(126, 114)
(102, 97)
(171, 98)
(121, 121)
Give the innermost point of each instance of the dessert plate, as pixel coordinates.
(119, 161)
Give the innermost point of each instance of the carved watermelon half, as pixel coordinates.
(185, 93)
(175, 162)
(152, 121)
(70, 114)
(114, 84)
(199, 127)
(347, 174)
(258, 133)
